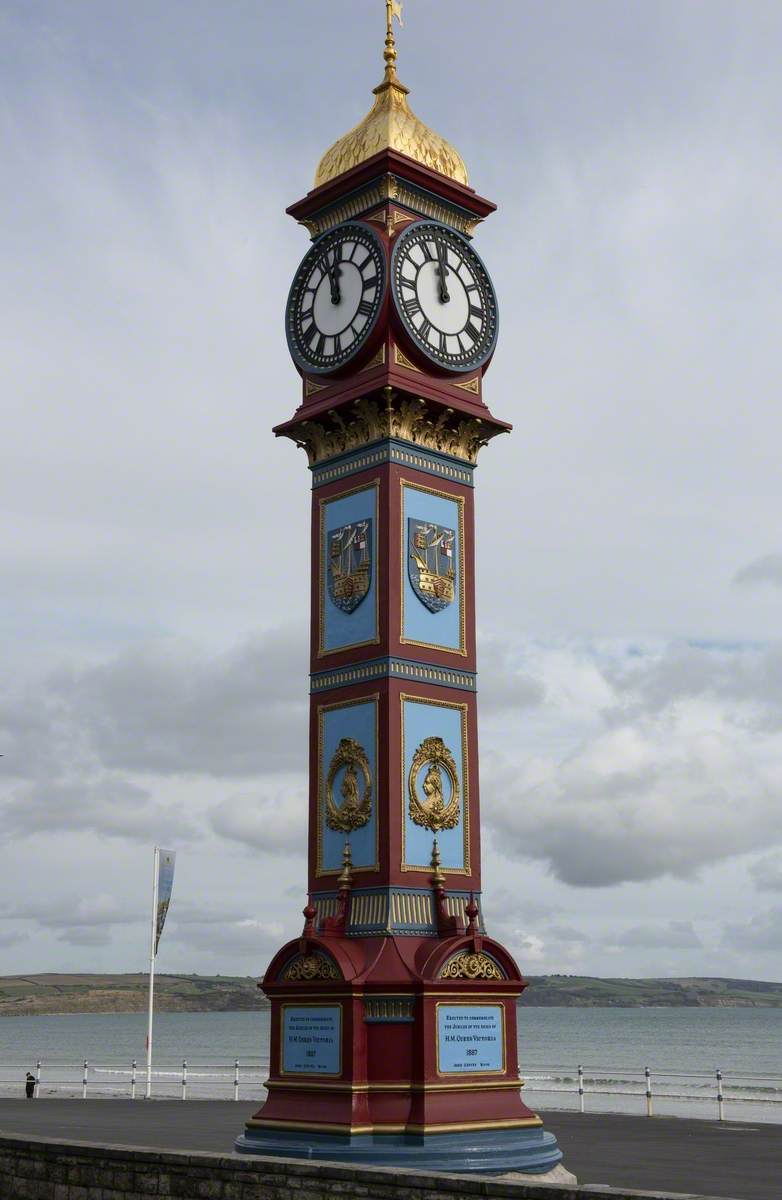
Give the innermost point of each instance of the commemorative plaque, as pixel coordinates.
(470, 1038)
(311, 1039)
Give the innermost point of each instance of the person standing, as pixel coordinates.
(29, 1086)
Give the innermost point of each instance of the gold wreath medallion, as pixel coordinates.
(354, 809)
(433, 811)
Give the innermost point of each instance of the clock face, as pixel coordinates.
(335, 298)
(444, 296)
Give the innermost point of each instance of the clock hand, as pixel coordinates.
(334, 273)
(442, 271)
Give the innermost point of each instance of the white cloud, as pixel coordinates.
(112, 807)
(763, 931)
(269, 824)
(680, 767)
(675, 935)
(153, 520)
(761, 570)
(766, 873)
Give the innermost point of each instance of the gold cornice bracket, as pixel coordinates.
(442, 430)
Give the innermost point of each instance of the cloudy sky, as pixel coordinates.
(154, 541)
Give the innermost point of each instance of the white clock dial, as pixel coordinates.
(335, 298)
(444, 296)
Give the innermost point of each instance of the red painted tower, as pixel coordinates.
(393, 1026)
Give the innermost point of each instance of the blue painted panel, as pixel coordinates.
(470, 1037)
(421, 719)
(311, 1040)
(340, 629)
(357, 721)
(420, 625)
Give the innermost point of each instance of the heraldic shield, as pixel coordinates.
(350, 564)
(430, 563)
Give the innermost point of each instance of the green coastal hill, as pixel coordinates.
(31, 995)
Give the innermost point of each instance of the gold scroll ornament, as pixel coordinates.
(432, 810)
(354, 809)
(308, 967)
(471, 966)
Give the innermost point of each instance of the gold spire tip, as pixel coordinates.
(393, 9)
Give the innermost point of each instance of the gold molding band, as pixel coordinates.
(466, 1127)
(487, 1084)
(422, 204)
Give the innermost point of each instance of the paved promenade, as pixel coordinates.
(740, 1161)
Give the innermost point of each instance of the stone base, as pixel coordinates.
(560, 1175)
(528, 1153)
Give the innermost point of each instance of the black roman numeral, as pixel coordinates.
(443, 348)
(471, 332)
(429, 254)
(365, 308)
(337, 344)
(320, 345)
(424, 328)
(412, 307)
(476, 311)
(311, 334)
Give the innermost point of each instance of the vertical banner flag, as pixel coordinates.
(165, 883)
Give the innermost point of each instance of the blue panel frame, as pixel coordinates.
(443, 630)
(422, 718)
(356, 719)
(338, 630)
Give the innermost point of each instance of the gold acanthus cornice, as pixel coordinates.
(409, 420)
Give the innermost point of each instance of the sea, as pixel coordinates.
(683, 1048)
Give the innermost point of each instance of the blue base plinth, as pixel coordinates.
(481, 1152)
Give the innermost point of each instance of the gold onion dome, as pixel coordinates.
(391, 125)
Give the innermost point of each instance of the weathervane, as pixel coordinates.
(393, 9)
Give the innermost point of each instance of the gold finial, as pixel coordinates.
(391, 125)
(393, 9)
(346, 877)
(438, 875)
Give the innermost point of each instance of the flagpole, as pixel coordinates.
(152, 948)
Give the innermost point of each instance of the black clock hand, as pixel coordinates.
(334, 273)
(442, 271)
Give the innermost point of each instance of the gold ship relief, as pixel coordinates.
(431, 564)
(350, 564)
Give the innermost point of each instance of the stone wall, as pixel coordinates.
(44, 1169)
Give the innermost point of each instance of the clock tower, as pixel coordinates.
(393, 1015)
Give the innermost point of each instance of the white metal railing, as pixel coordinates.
(231, 1079)
(690, 1086)
(247, 1079)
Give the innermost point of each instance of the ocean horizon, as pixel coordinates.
(683, 1048)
